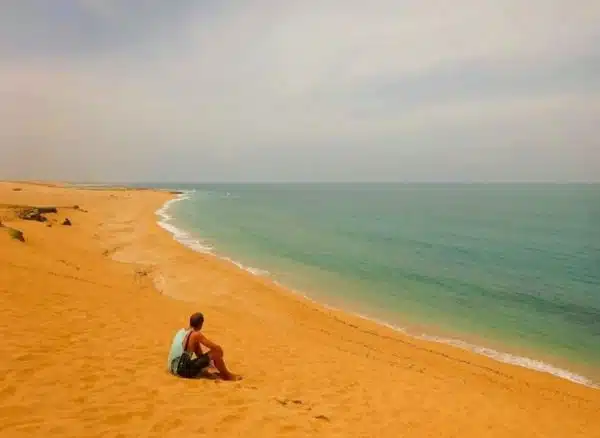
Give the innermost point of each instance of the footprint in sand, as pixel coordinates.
(300, 404)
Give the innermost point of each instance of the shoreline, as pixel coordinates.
(109, 292)
(184, 238)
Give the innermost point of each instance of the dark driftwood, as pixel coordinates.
(36, 213)
(45, 210)
(31, 214)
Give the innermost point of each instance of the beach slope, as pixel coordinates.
(89, 310)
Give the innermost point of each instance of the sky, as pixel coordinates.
(311, 90)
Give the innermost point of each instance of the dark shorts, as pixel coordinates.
(190, 368)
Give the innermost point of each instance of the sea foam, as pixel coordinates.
(180, 235)
(190, 241)
(521, 361)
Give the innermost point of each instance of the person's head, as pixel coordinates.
(196, 321)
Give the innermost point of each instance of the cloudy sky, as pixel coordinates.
(265, 90)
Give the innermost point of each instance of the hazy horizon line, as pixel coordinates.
(297, 182)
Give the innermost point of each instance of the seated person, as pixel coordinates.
(186, 358)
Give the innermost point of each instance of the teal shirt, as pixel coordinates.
(176, 350)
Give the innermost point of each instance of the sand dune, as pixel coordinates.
(89, 312)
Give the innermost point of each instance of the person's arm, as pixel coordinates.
(209, 344)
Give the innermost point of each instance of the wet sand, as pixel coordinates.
(89, 312)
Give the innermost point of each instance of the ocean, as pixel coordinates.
(511, 271)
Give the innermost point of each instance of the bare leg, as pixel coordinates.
(216, 355)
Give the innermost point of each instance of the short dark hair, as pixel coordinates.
(196, 320)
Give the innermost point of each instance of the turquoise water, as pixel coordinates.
(514, 265)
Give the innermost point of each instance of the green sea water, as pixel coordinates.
(500, 265)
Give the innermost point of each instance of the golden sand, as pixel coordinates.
(89, 311)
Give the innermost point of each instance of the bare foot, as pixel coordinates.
(232, 377)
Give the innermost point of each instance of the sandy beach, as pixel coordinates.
(89, 311)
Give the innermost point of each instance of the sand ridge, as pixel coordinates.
(89, 312)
